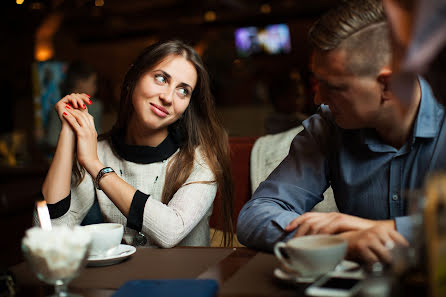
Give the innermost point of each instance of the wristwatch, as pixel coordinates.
(101, 174)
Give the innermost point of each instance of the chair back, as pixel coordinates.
(240, 164)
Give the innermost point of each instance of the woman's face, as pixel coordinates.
(162, 95)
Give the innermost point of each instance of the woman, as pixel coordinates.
(158, 170)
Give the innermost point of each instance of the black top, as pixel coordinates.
(145, 154)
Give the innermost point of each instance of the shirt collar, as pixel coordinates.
(426, 125)
(429, 115)
(144, 154)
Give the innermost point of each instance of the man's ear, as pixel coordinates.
(384, 78)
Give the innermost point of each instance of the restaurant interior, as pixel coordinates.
(108, 35)
(41, 37)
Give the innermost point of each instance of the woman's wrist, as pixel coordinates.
(93, 168)
(103, 172)
(66, 139)
(66, 130)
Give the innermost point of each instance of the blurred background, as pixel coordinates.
(256, 53)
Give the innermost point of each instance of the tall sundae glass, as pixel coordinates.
(56, 256)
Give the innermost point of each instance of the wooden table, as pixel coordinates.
(239, 272)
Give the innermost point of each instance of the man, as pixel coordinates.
(367, 144)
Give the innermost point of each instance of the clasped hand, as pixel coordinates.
(73, 113)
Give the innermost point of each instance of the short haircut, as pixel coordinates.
(359, 27)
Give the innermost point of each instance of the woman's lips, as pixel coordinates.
(159, 110)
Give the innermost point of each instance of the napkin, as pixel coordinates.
(168, 288)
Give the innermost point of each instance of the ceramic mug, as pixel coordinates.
(311, 255)
(105, 237)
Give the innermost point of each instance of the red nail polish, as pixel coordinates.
(83, 105)
(88, 95)
(67, 107)
(89, 101)
(64, 113)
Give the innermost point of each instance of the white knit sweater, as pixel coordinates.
(184, 221)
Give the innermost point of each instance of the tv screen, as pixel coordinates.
(271, 39)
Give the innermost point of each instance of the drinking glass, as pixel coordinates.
(415, 200)
(60, 277)
(56, 258)
(408, 265)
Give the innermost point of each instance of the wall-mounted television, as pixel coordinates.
(271, 40)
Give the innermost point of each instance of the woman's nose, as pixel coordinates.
(167, 96)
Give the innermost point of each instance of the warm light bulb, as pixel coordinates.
(19, 1)
(265, 8)
(43, 53)
(210, 16)
(99, 2)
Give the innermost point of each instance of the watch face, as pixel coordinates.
(101, 173)
(108, 170)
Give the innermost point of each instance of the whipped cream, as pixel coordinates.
(58, 253)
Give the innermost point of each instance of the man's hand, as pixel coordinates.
(373, 244)
(327, 223)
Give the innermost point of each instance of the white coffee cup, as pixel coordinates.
(105, 238)
(311, 255)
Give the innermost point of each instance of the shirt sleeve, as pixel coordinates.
(60, 208)
(293, 188)
(168, 224)
(404, 227)
(81, 199)
(136, 212)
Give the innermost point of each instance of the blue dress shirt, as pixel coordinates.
(368, 177)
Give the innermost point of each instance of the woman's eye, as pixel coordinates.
(160, 78)
(183, 92)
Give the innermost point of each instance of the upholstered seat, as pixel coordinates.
(267, 153)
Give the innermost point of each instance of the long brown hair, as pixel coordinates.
(199, 126)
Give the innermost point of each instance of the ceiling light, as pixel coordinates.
(19, 1)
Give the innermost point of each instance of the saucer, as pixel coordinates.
(292, 277)
(287, 275)
(122, 252)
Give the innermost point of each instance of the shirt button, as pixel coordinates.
(395, 197)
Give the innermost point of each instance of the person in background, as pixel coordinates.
(288, 96)
(419, 41)
(419, 47)
(80, 78)
(158, 170)
(365, 143)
